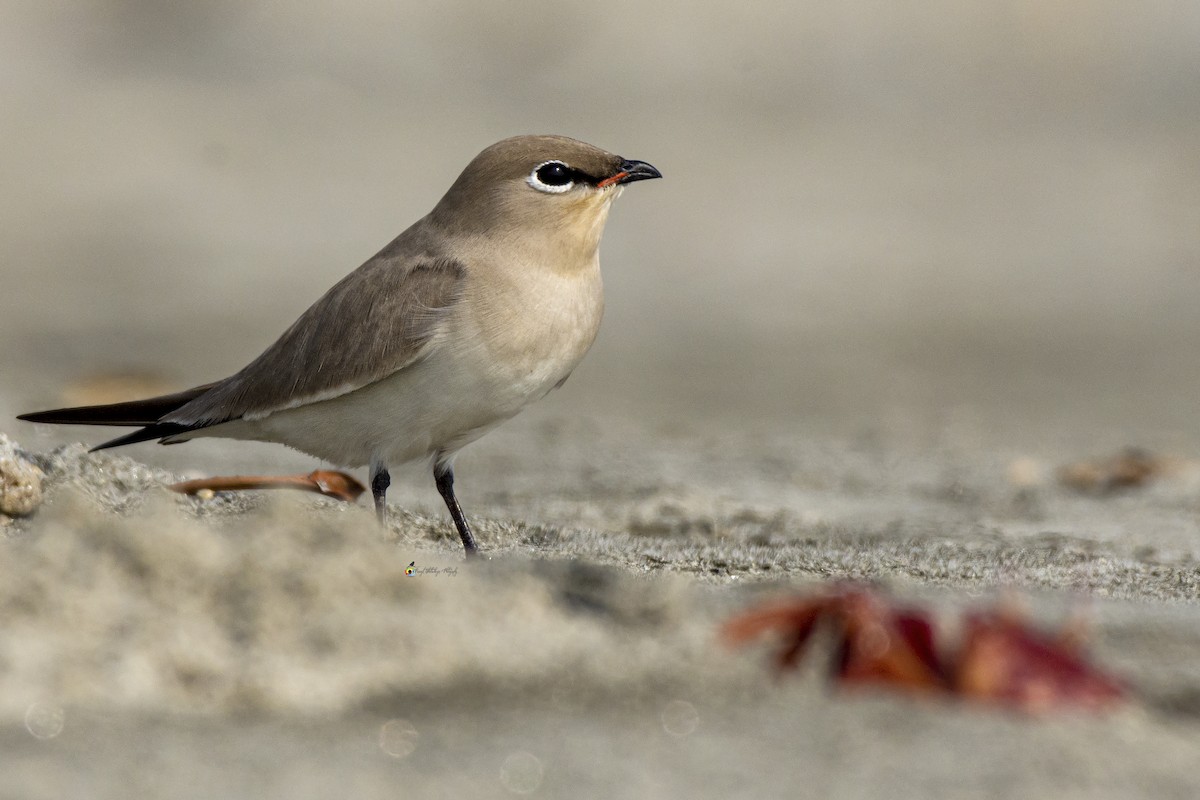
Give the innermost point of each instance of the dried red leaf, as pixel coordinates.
(880, 645)
(793, 621)
(1006, 662)
(1003, 661)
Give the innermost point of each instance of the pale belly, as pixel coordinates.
(483, 372)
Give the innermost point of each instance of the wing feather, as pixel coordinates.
(377, 320)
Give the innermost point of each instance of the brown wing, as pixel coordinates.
(377, 320)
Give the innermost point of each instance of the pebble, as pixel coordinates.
(20, 486)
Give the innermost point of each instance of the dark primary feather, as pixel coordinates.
(155, 431)
(133, 412)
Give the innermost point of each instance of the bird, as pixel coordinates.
(479, 308)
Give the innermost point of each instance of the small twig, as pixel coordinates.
(329, 483)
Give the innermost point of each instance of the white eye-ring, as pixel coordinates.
(552, 177)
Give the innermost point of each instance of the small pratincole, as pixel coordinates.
(477, 310)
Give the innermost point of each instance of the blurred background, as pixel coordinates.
(969, 231)
(914, 217)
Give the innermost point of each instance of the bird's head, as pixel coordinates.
(549, 186)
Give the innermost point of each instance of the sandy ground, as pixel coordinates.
(271, 645)
(908, 258)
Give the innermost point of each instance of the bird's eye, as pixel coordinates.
(553, 177)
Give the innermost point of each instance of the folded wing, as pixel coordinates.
(379, 319)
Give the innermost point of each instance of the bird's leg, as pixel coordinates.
(444, 476)
(380, 481)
